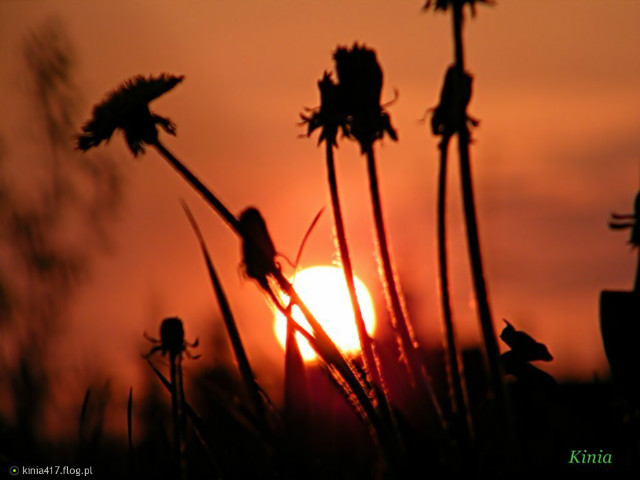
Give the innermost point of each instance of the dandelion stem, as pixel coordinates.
(480, 287)
(415, 365)
(198, 186)
(177, 399)
(455, 370)
(473, 242)
(372, 365)
(130, 433)
(368, 355)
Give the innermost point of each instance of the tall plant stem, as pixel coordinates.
(374, 375)
(177, 406)
(459, 399)
(473, 242)
(372, 365)
(514, 453)
(198, 186)
(415, 365)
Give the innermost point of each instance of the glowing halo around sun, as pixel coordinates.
(324, 291)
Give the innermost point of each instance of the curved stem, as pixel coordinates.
(198, 186)
(368, 356)
(401, 325)
(372, 365)
(473, 242)
(455, 370)
(480, 287)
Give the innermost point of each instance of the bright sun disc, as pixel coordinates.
(324, 291)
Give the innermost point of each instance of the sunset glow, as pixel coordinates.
(324, 291)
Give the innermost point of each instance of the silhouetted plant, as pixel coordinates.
(54, 216)
(354, 107)
(448, 117)
(619, 314)
(172, 341)
(331, 117)
(630, 221)
(445, 4)
(475, 257)
(524, 350)
(523, 345)
(127, 109)
(338, 367)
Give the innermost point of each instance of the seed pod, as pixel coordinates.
(450, 115)
(172, 336)
(258, 252)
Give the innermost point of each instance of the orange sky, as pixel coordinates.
(556, 89)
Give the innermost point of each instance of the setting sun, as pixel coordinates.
(324, 291)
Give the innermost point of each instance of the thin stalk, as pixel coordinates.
(327, 348)
(473, 242)
(415, 365)
(177, 407)
(129, 414)
(198, 186)
(482, 297)
(83, 416)
(130, 433)
(239, 351)
(194, 418)
(370, 363)
(455, 370)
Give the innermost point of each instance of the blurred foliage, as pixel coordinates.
(56, 207)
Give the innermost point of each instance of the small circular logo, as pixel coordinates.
(14, 471)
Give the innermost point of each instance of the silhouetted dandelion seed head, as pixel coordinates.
(127, 109)
(353, 103)
(330, 116)
(258, 251)
(172, 339)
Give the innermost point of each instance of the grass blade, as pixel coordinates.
(253, 389)
(296, 394)
(83, 415)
